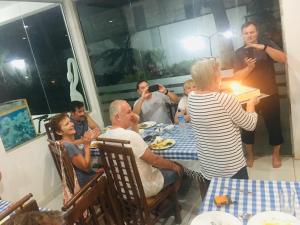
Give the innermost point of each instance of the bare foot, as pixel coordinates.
(276, 161)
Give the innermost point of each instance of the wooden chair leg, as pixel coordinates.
(177, 209)
(203, 186)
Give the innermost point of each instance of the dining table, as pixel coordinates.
(183, 151)
(249, 197)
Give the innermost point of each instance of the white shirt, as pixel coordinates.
(183, 104)
(155, 109)
(216, 119)
(151, 177)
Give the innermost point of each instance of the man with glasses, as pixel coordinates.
(151, 106)
(253, 65)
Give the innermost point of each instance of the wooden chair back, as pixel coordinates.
(172, 108)
(91, 205)
(56, 149)
(50, 133)
(122, 173)
(25, 204)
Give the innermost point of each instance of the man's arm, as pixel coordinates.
(93, 126)
(137, 108)
(173, 97)
(160, 162)
(244, 72)
(276, 54)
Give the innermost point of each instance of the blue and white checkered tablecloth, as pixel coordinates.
(4, 205)
(184, 149)
(251, 196)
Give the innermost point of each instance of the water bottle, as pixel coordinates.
(181, 122)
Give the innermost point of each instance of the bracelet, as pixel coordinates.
(167, 92)
(265, 47)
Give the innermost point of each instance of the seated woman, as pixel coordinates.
(80, 155)
(216, 118)
(188, 87)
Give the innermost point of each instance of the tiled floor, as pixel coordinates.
(262, 169)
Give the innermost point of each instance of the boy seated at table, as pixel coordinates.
(182, 109)
(80, 154)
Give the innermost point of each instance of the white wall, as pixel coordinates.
(290, 18)
(20, 9)
(29, 168)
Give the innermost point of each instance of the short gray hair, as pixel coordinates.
(114, 108)
(204, 71)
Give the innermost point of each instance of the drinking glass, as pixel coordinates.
(287, 201)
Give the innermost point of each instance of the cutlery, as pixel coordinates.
(240, 190)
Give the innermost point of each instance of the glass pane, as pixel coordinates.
(36, 59)
(51, 48)
(19, 75)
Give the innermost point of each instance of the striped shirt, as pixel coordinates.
(216, 118)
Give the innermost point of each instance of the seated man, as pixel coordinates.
(151, 106)
(188, 86)
(155, 171)
(82, 121)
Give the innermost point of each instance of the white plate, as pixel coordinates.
(141, 131)
(215, 217)
(273, 218)
(171, 141)
(147, 124)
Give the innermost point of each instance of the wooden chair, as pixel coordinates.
(67, 163)
(122, 173)
(51, 135)
(25, 204)
(172, 108)
(93, 205)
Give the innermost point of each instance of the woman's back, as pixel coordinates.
(216, 118)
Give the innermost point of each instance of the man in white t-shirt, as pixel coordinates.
(151, 106)
(155, 171)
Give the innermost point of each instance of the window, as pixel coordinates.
(37, 62)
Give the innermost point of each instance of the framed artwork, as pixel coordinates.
(16, 126)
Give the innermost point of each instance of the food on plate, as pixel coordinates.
(221, 200)
(160, 143)
(143, 125)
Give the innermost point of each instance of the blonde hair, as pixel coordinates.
(188, 83)
(204, 71)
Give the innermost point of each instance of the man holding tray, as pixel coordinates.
(253, 65)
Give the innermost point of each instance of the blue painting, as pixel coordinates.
(16, 127)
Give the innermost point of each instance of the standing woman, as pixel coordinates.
(216, 118)
(80, 155)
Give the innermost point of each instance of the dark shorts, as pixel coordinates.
(170, 176)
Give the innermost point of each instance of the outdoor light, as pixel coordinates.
(227, 34)
(18, 64)
(193, 43)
